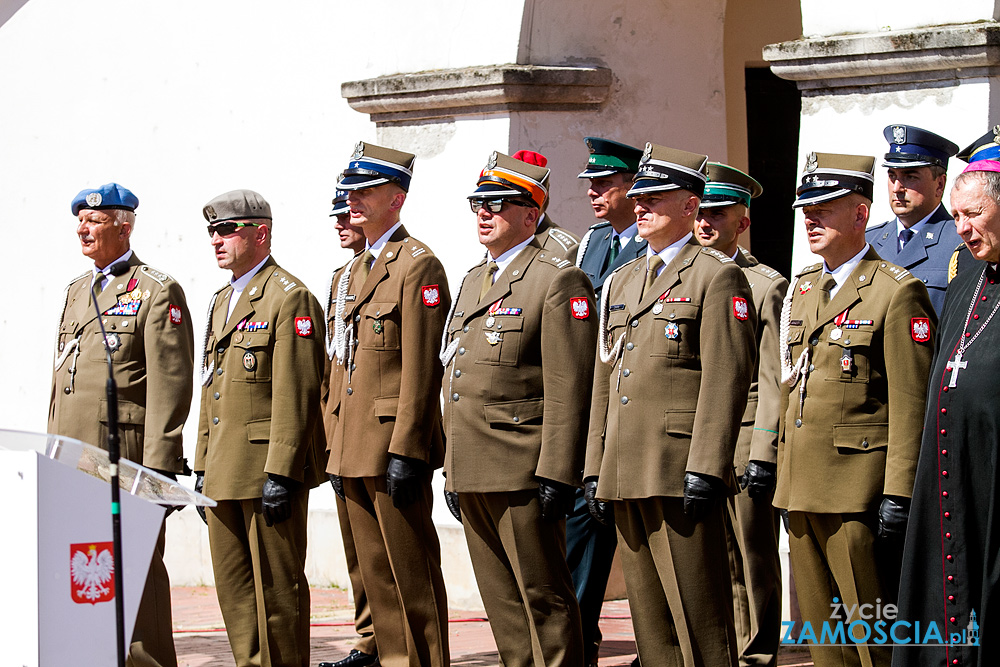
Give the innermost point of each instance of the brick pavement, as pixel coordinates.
(200, 637)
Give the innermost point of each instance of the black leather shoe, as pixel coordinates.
(354, 659)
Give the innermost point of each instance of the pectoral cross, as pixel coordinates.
(955, 366)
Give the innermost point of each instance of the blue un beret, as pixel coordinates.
(109, 195)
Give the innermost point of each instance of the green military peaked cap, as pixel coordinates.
(610, 157)
(728, 185)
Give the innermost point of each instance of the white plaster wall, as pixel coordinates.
(853, 124)
(669, 85)
(820, 17)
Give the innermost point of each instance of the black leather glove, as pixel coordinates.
(451, 500)
(892, 516)
(759, 479)
(403, 480)
(199, 484)
(337, 482)
(276, 499)
(170, 508)
(602, 512)
(700, 494)
(555, 499)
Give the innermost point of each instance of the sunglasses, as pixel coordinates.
(494, 205)
(227, 228)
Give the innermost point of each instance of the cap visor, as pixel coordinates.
(359, 182)
(644, 185)
(597, 172)
(494, 190)
(819, 196)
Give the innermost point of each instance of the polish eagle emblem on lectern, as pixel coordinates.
(92, 571)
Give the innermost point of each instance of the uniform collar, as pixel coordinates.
(376, 248)
(668, 253)
(504, 260)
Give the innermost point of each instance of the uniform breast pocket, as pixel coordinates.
(675, 331)
(850, 357)
(617, 321)
(378, 326)
(255, 353)
(120, 343)
(503, 340)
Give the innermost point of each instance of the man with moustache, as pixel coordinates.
(151, 343)
(922, 237)
(391, 305)
(857, 337)
(609, 244)
(950, 562)
(516, 415)
(676, 354)
(752, 522)
(260, 436)
(365, 651)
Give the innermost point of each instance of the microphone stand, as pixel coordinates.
(113, 455)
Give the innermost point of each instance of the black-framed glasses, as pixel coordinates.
(494, 205)
(227, 228)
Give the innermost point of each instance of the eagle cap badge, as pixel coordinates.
(491, 163)
(899, 134)
(811, 162)
(648, 153)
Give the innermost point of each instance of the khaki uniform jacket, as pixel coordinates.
(389, 402)
(556, 239)
(674, 400)
(758, 439)
(516, 394)
(261, 386)
(153, 363)
(861, 423)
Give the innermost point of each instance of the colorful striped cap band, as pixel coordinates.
(373, 165)
(609, 157)
(728, 185)
(506, 177)
(986, 147)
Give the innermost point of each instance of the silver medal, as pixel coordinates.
(658, 308)
(836, 334)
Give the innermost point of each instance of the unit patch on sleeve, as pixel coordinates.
(740, 308)
(580, 306)
(304, 326)
(175, 314)
(920, 329)
(431, 294)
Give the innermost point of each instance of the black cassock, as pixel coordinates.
(951, 562)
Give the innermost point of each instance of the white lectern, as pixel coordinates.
(55, 563)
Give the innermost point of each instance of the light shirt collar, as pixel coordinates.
(106, 271)
(625, 236)
(668, 253)
(844, 270)
(504, 260)
(376, 248)
(916, 229)
(240, 284)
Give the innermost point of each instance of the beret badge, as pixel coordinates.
(210, 213)
(94, 199)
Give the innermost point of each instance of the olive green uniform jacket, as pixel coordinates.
(152, 362)
(261, 388)
(516, 394)
(674, 400)
(861, 422)
(390, 404)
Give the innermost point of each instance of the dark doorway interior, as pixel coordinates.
(773, 108)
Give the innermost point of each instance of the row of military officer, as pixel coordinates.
(654, 426)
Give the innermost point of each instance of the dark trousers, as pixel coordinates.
(590, 550)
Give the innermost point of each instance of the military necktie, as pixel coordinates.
(491, 269)
(826, 285)
(99, 283)
(655, 262)
(616, 247)
(361, 275)
(904, 238)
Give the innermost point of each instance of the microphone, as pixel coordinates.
(114, 453)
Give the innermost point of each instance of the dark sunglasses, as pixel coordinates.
(227, 228)
(494, 205)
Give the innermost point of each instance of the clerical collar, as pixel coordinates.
(916, 228)
(668, 253)
(506, 258)
(626, 235)
(842, 272)
(376, 248)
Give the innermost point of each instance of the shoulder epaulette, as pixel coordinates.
(414, 247)
(562, 238)
(599, 225)
(809, 269)
(897, 272)
(158, 276)
(555, 260)
(286, 281)
(764, 270)
(721, 256)
(81, 276)
(878, 226)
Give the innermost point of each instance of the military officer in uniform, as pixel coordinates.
(609, 244)
(149, 335)
(391, 304)
(665, 415)
(857, 339)
(550, 236)
(515, 417)
(365, 651)
(752, 522)
(260, 438)
(922, 237)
